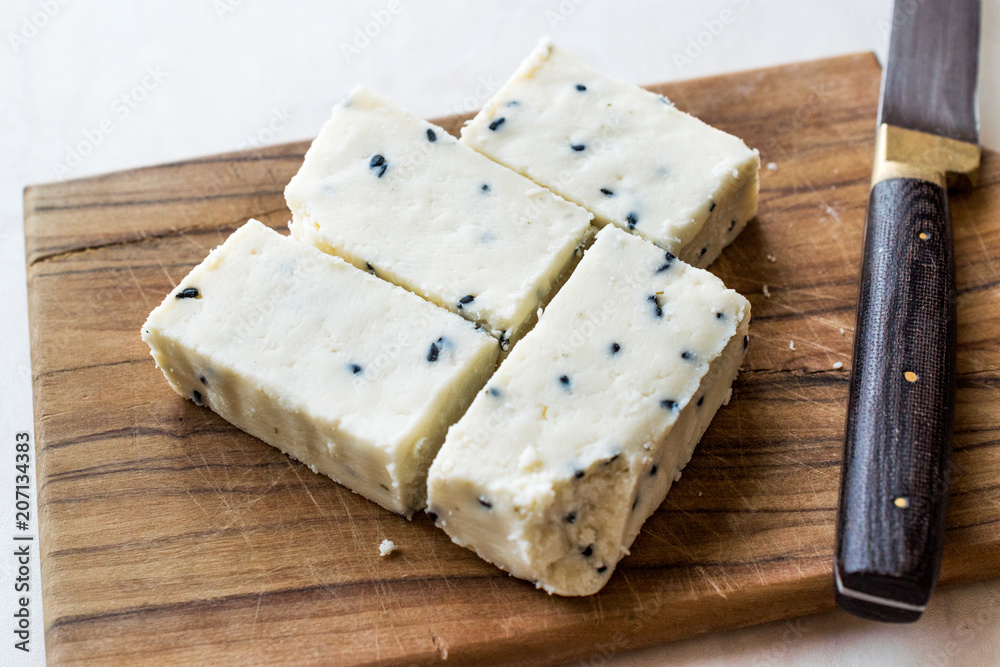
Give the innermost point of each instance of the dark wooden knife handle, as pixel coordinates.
(901, 406)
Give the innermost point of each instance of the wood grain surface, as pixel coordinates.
(168, 536)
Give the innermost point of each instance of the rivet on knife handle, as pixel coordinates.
(900, 413)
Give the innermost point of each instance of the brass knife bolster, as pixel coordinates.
(903, 153)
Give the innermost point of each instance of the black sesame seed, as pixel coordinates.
(710, 208)
(378, 162)
(494, 392)
(587, 551)
(607, 193)
(581, 87)
(485, 503)
(571, 517)
(632, 219)
(204, 381)
(196, 395)
(465, 300)
(495, 125)
(732, 225)
(579, 474)
(370, 268)
(703, 251)
(687, 355)
(432, 354)
(355, 369)
(431, 135)
(635, 502)
(657, 307)
(564, 380)
(700, 401)
(654, 470)
(485, 188)
(668, 404)
(602, 569)
(615, 348)
(513, 103)
(188, 293)
(578, 147)
(433, 517)
(668, 260)
(720, 316)
(746, 341)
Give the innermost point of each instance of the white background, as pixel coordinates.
(206, 76)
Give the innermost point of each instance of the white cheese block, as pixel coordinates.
(400, 197)
(352, 376)
(623, 153)
(576, 439)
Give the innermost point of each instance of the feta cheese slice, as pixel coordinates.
(625, 154)
(575, 440)
(400, 197)
(352, 376)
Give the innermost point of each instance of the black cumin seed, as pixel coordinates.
(611, 460)
(632, 219)
(196, 395)
(668, 404)
(602, 569)
(607, 193)
(746, 341)
(203, 380)
(712, 207)
(433, 516)
(654, 470)
(494, 392)
(581, 87)
(703, 251)
(578, 147)
(465, 300)
(495, 125)
(432, 355)
(370, 268)
(615, 348)
(720, 316)
(188, 293)
(485, 188)
(687, 355)
(668, 259)
(587, 551)
(564, 380)
(355, 369)
(485, 503)
(431, 135)
(579, 474)
(700, 401)
(635, 502)
(571, 517)
(732, 225)
(657, 308)
(378, 162)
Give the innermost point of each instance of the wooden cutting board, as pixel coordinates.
(169, 537)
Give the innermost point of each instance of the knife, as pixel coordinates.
(901, 402)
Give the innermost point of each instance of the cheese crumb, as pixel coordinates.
(386, 548)
(529, 460)
(838, 365)
(767, 292)
(791, 345)
(772, 166)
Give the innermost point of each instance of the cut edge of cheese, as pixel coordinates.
(713, 223)
(393, 475)
(542, 543)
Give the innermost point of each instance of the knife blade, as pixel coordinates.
(901, 401)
